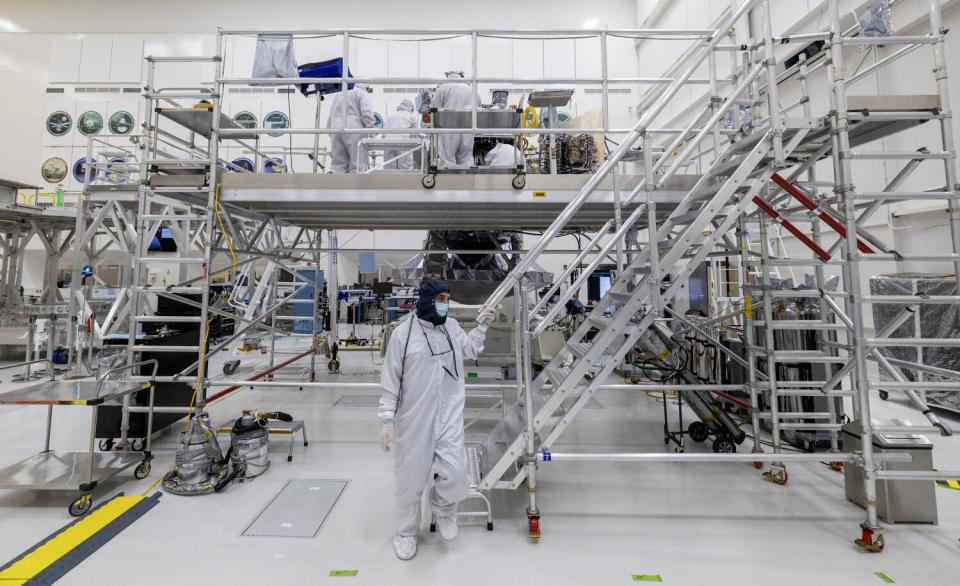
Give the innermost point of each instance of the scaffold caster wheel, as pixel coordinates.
(869, 542)
(884, 395)
(836, 466)
(137, 444)
(699, 432)
(534, 524)
(105, 445)
(433, 527)
(142, 470)
(489, 525)
(429, 181)
(519, 182)
(777, 474)
(723, 445)
(81, 505)
(333, 366)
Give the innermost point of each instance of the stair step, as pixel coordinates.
(689, 217)
(623, 296)
(556, 375)
(579, 349)
(598, 318)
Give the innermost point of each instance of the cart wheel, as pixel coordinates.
(489, 525)
(868, 542)
(534, 526)
(884, 395)
(142, 470)
(230, 367)
(699, 432)
(724, 445)
(333, 365)
(429, 181)
(519, 182)
(137, 445)
(81, 505)
(105, 444)
(666, 439)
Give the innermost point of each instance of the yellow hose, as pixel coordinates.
(226, 237)
(530, 118)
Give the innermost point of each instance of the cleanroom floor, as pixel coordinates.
(603, 523)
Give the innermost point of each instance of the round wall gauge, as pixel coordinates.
(245, 164)
(276, 119)
(79, 170)
(90, 122)
(274, 165)
(245, 119)
(121, 122)
(59, 123)
(116, 171)
(54, 170)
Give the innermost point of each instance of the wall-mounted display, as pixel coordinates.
(90, 122)
(59, 123)
(79, 169)
(121, 122)
(245, 119)
(116, 171)
(245, 164)
(276, 119)
(274, 165)
(54, 170)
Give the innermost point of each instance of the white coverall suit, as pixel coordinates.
(404, 118)
(428, 424)
(343, 147)
(503, 155)
(454, 150)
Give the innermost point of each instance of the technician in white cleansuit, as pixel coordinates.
(343, 147)
(454, 150)
(504, 155)
(404, 118)
(422, 412)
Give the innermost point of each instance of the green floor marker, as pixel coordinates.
(344, 573)
(646, 578)
(886, 579)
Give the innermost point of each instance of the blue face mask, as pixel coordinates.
(442, 309)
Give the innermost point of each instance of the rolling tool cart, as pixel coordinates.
(78, 471)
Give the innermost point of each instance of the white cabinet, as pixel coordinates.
(126, 59)
(64, 64)
(95, 59)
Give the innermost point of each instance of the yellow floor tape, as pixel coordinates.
(954, 484)
(64, 542)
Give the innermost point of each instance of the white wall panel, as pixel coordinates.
(95, 59)
(64, 64)
(126, 59)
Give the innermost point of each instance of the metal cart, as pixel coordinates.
(461, 118)
(76, 471)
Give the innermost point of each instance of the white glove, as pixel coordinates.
(487, 316)
(386, 436)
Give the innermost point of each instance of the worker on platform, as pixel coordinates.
(454, 150)
(421, 409)
(405, 117)
(504, 154)
(360, 114)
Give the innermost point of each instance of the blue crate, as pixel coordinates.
(331, 68)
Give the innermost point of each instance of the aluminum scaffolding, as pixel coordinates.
(658, 223)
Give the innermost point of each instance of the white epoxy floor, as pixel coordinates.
(717, 524)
